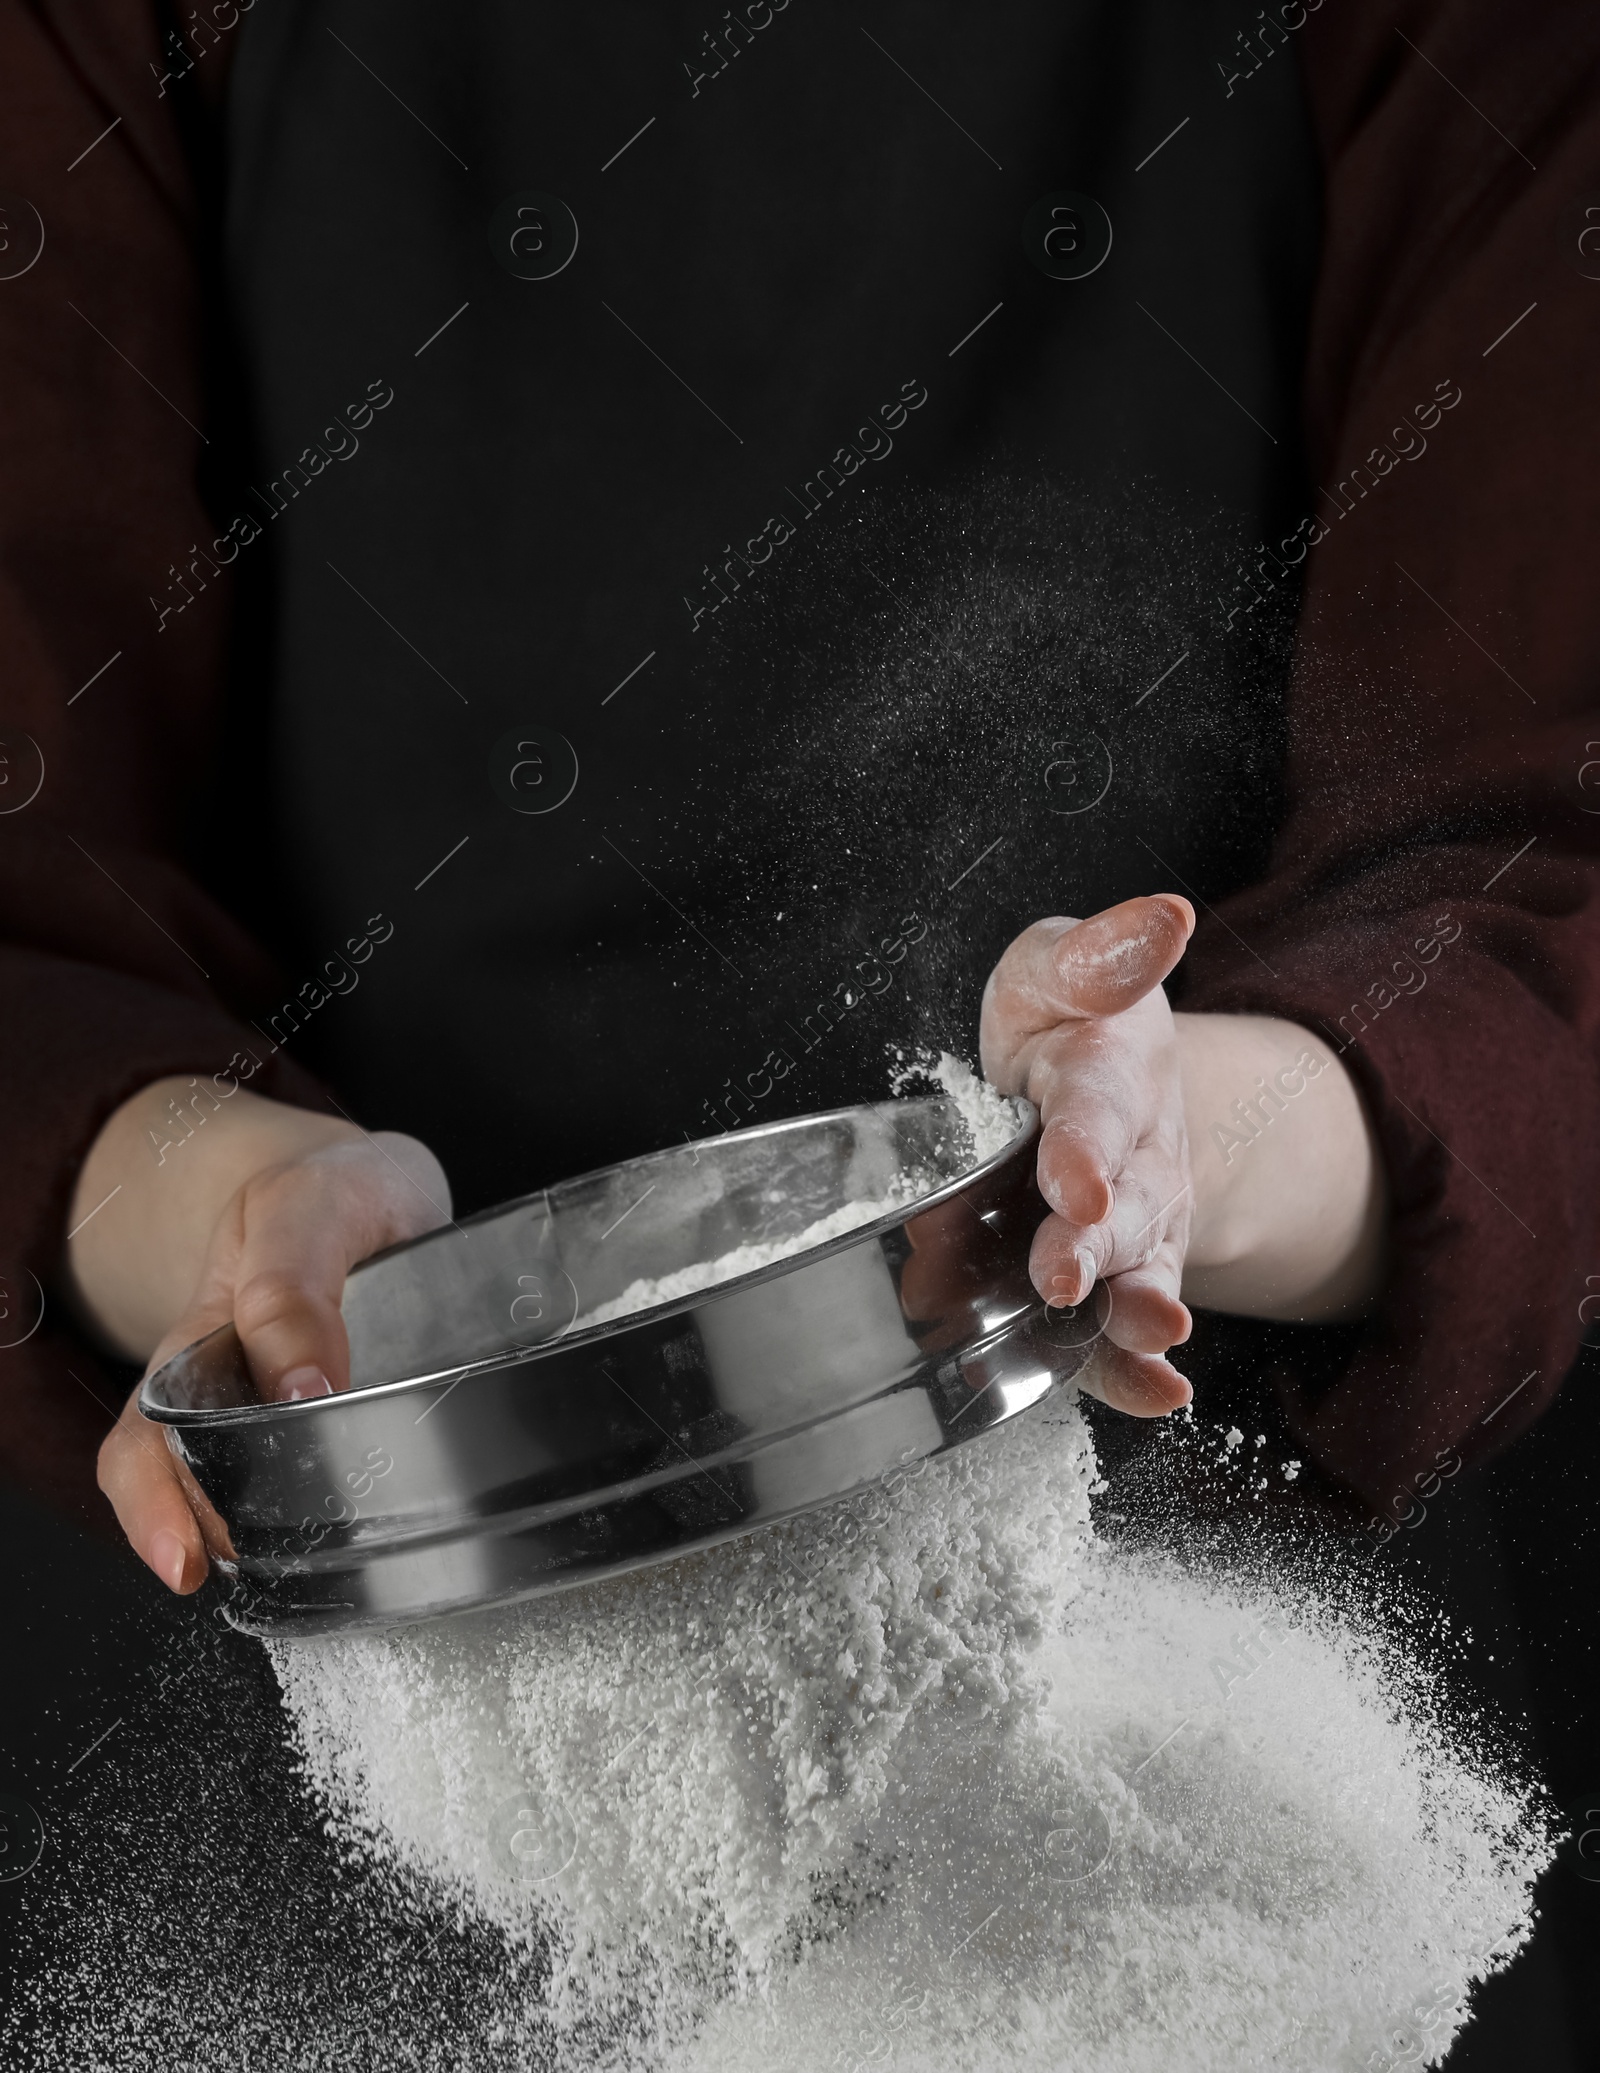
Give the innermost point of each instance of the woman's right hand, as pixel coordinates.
(256, 1217)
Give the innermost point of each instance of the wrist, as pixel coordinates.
(1230, 1065)
(1289, 1185)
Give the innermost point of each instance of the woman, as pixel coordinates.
(536, 394)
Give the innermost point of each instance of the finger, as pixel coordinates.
(1141, 1385)
(1144, 1312)
(1091, 1083)
(1141, 1310)
(303, 1232)
(138, 1474)
(1061, 969)
(1153, 1207)
(1114, 958)
(276, 1267)
(1016, 1003)
(304, 1227)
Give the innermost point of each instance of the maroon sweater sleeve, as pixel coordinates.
(115, 967)
(1433, 905)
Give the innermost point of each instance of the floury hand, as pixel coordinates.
(1074, 1017)
(1143, 1112)
(258, 1223)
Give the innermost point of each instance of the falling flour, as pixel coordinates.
(934, 1778)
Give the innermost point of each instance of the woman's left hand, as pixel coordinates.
(1075, 1018)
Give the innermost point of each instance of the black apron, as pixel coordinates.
(742, 513)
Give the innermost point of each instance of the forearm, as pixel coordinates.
(1290, 1199)
(153, 1187)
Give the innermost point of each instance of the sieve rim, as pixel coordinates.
(191, 1417)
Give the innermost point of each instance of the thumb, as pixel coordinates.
(1062, 971)
(1118, 956)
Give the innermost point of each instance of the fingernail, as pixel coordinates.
(300, 1383)
(167, 1557)
(1085, 1260)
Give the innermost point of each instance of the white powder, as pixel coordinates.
(709, 1756)
(1198, 1855)
(644, 1294)
(934, 1779)
(988, 1122)
(990, 1117)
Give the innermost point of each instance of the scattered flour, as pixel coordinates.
(990, 1117)
(934, 1779)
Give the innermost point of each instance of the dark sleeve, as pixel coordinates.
(115, 967)
(1432, 903)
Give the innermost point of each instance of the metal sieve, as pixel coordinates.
(492, 1446)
